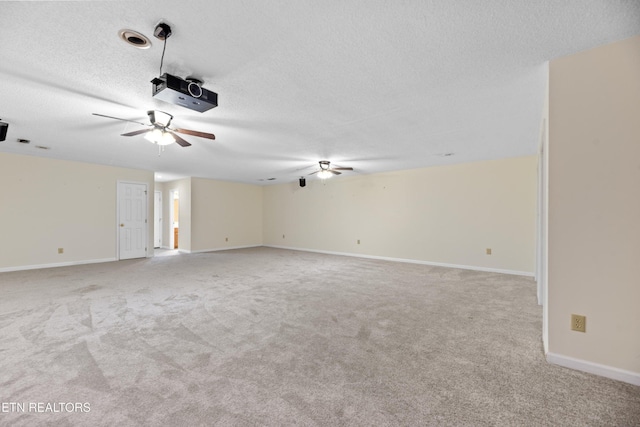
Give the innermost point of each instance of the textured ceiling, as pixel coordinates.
(376, 85)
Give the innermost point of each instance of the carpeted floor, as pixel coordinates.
(273, 337)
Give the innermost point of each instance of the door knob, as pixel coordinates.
(121, 225)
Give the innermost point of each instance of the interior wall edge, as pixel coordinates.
(409, 261)
(595, 368)
(198, 251)
(55, 265)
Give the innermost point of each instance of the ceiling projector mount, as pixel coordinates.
(188, 92)
(162, 31)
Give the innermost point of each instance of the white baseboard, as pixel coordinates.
(411, 261)
(57, 264)
(594, 368)
(218, 249)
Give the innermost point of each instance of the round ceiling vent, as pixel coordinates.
(135, 39)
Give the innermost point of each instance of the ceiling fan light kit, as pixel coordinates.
(324, 174)
(160, 137)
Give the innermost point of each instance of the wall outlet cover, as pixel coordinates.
(578, 323)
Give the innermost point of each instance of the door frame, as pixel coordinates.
(147, 207)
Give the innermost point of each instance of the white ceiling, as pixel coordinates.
(376, 85)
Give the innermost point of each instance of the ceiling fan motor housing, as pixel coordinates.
(159, 118)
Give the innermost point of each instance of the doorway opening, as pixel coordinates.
(157, 219)
(174, 218)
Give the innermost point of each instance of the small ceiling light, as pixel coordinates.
(135, 39)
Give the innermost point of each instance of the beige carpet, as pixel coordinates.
(273, 337)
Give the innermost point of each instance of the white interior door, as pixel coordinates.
(157, 219)
(132, 220)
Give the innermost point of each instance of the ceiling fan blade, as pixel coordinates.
(181, 142)
(333, 171)
(195, 133)
(118, 118)
(136, 132)
(342, 169)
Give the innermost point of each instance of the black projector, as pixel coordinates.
(187, 93)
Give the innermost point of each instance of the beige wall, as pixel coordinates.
(224, 210)
(49, 204)
(594, 205)
(212, 211)
(445, 214)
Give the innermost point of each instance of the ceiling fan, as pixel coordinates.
(326, 171)
(159, 131)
